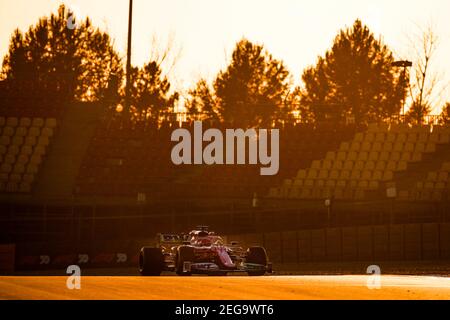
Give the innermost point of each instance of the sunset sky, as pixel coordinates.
(295, 31)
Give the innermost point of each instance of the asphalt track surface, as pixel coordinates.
(226, 288)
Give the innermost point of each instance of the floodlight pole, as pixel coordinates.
(128, 69)
(403, 64)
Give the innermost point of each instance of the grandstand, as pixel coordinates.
(24, 144)
(85, 180)
(381, 158)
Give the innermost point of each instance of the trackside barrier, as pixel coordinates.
(7, 258)
(410, 242)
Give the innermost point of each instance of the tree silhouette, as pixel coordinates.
(57, 64)
(201, 104)
(444, 118)
(150, 97)
(354, 78)
(251, 91)
(425, 84)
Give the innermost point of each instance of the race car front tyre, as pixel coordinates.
(184, 254)
(257, 255)
(151, 262)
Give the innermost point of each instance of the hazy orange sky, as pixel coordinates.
(295, 31)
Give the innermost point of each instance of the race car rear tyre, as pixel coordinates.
(184, 254)
(257, 255)
(151, 262)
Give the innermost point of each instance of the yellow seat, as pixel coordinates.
(369, 137)
(444, 138)
(8, 131)
(38, 122)
(391, 137)
(446, 166)
(21, 132)
(309, 183)
(388, 146)
(12, 187)
(406, 156)
(395, 156)
(25, 122)
(5, 140)
(380, 166)
(363, 156)
(29, 178)
(15, 177)
(370, 165)
(331, 156)
(355, 175)
(12, 122)
(32, 169)
(47, 132)
(416, 157)
(345, 146)
(17, 141)
(352, 156)
(380, 137)
(51, 123)
(401, 138)
(374, 185)
(359, 137)
(302, 174)
(334, 175)
(363, 185)
(6, 168)
(312, 174)
(384, 156)
(9, 159)
(388, 176)
(34, 132)
(412, 137)
(19, 168)
(341, 156)
(338, 165)
(348, 165)
(25, 187)
(402, 166)
(391, 165)
(22, 158)
(432, 176)
(377, 147)
(341, 184)
(319, 183)
(366, 175)
(43, 141)
(430, 148)
(409, 147)
(39, 150)
(355, 146)
(374, 155)
(323, 174)
(398, 147)
(442, 176)
(423, 137)
(14, 150)
(345, 175)
(366, 146)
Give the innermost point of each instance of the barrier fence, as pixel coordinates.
(407, 242)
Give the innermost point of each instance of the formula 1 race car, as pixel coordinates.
(201, 252)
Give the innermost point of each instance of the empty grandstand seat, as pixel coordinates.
(23, 145)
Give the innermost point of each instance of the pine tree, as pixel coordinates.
(253, 89)
(354, 78)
